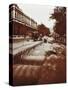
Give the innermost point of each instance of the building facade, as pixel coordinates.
(19, 23)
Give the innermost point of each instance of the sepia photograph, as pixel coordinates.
(37, 44)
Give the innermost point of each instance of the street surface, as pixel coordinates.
(52, 70)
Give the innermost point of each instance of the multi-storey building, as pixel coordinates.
(20, 23)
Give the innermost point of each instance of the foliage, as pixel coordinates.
(43, 29)
(60, 16)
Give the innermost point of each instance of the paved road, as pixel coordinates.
(21, 46)
(38, 52)
(33, 53)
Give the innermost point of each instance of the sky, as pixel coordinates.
(40, 13)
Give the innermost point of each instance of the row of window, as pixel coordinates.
(23, 18)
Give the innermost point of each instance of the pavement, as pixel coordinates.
(21, 46)
(34, 50)
(39, 52)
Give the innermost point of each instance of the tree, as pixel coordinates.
(42, 29)
(60, 16)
